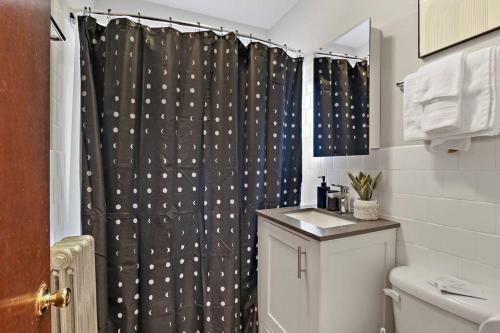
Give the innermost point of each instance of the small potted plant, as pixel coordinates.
(365, 208)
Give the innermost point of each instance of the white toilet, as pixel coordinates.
(420, 308)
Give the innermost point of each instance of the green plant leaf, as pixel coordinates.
(354, 182)
(366, 192)
(351, 177)
(375, 180)
(364, 184)
(357, 186)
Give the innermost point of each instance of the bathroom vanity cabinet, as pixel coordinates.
(319, 280)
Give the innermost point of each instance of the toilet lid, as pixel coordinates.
(414, 281)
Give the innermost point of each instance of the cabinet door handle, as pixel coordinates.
(300, 270)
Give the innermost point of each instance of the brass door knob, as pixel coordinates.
(44, 299)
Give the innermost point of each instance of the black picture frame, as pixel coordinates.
(422, 56)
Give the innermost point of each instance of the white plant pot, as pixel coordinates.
(366, 210)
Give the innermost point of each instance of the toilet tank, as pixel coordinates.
(420, 307)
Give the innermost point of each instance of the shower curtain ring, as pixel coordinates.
(109, 14)
(221, 31)
(139, 14)
(199, 26)
(170, 20)
(251, 38)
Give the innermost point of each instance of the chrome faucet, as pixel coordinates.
(342, 199)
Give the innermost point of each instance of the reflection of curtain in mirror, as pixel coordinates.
(445, 22)
(341, 110)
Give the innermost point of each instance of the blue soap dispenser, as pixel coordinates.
(322, 193)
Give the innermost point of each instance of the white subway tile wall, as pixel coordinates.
(448, 205)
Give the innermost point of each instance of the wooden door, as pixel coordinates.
(24, 162)
(283, 295)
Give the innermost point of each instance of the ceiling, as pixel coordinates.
(258, 13)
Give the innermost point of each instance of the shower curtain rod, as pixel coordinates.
(109, 13)
(338, 55)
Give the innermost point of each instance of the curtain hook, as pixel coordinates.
(109, 14)
(251, 38)
(170, 20)
(199, 27)
(221, 31)
(139, 14)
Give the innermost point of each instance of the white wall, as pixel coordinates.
(156, 10)
(448, 204)
(314, 23)
(64, 143)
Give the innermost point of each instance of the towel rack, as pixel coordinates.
(401, 85)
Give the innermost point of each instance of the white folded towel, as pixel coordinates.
(447, 145)
(491, 325)
(478, 85)
(440, 93)
(480, 104)
(476, 96)
(412, 110)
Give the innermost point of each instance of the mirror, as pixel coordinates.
(347, 93)
(446, 23)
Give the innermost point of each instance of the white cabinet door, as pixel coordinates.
(283, 288)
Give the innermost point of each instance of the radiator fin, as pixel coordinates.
(72, 264)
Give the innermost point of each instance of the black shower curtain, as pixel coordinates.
(341, 107)
(184, 136)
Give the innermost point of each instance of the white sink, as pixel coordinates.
(319, 219)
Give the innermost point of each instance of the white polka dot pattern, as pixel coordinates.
(184, 136)
(341, 108)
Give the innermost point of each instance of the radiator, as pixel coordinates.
(72, 265)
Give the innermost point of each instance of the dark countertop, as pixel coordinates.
(278, 216)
